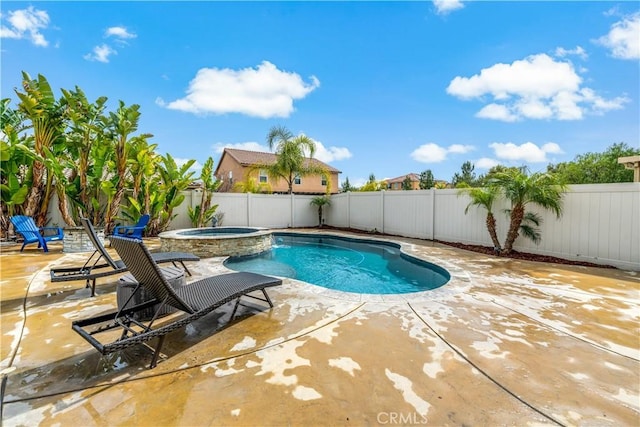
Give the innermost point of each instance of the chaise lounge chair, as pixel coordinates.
(31, 233)
(195, 300)
(92, 270)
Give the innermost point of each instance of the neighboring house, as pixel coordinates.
(234, 165)
(396, 183)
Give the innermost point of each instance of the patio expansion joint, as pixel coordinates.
(555, 329)
(14, 351)
(105, 385)
(4, 374)
(484, 373)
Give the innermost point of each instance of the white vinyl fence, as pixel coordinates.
(600, 223)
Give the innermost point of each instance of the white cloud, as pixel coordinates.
(624, 38)
(578, 51)
(533, 108)
(527, 152)
(330, 154)
(429, 153)
(485, 163)
(104, 51)
(120, 33)
(249, 146)
(26, 24)
(443, 7)
(433, 153)
(537, 87)
(263, 92)
(496, 112)
(460, 149)
(101, 53)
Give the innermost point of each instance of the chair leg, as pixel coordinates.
(185, 268)
(235, 308)
(264, 291)
(156, 353)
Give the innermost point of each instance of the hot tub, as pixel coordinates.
(217, 241)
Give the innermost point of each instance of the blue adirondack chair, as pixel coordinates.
(133, 231)
(34, 234)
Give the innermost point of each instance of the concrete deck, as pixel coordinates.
(506, 342)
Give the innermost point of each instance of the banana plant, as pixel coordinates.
(39, 106)
(15, 164)
(143, 162)
(203, 213)
(13, 183)
(120, 126)
(56, 171)
(173, 180)
(85, 126)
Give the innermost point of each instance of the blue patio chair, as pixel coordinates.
(26, 226)
(133, 231)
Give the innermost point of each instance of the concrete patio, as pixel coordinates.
(506, 342)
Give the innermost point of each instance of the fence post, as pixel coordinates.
(433, 213)
(382, 211)
(248, 209)
(348, 209)
(292, 210)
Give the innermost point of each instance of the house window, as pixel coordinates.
(297, 180)
(324, 181)
(262, 177)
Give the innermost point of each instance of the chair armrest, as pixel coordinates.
(58, 231)
(127, 229)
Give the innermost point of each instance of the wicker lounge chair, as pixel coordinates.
(100, 263)
(34, 234)
(195, 300)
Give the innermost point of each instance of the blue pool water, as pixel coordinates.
(344, 264)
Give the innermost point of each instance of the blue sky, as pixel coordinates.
(383, 87)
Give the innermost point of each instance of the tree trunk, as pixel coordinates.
(35, 193)
(491, 226)
(112, 210)
(320, 217)
(63, 206)
(517, 214)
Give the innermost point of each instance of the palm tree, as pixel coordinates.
(250, 185)
(485, 197)
(320, 202)
(290, 152)
(522, 189)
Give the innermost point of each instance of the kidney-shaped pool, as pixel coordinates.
(344, 264)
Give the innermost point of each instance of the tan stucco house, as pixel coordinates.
(396, 183)
(234, 165)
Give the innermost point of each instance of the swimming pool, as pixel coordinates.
(344, 264)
